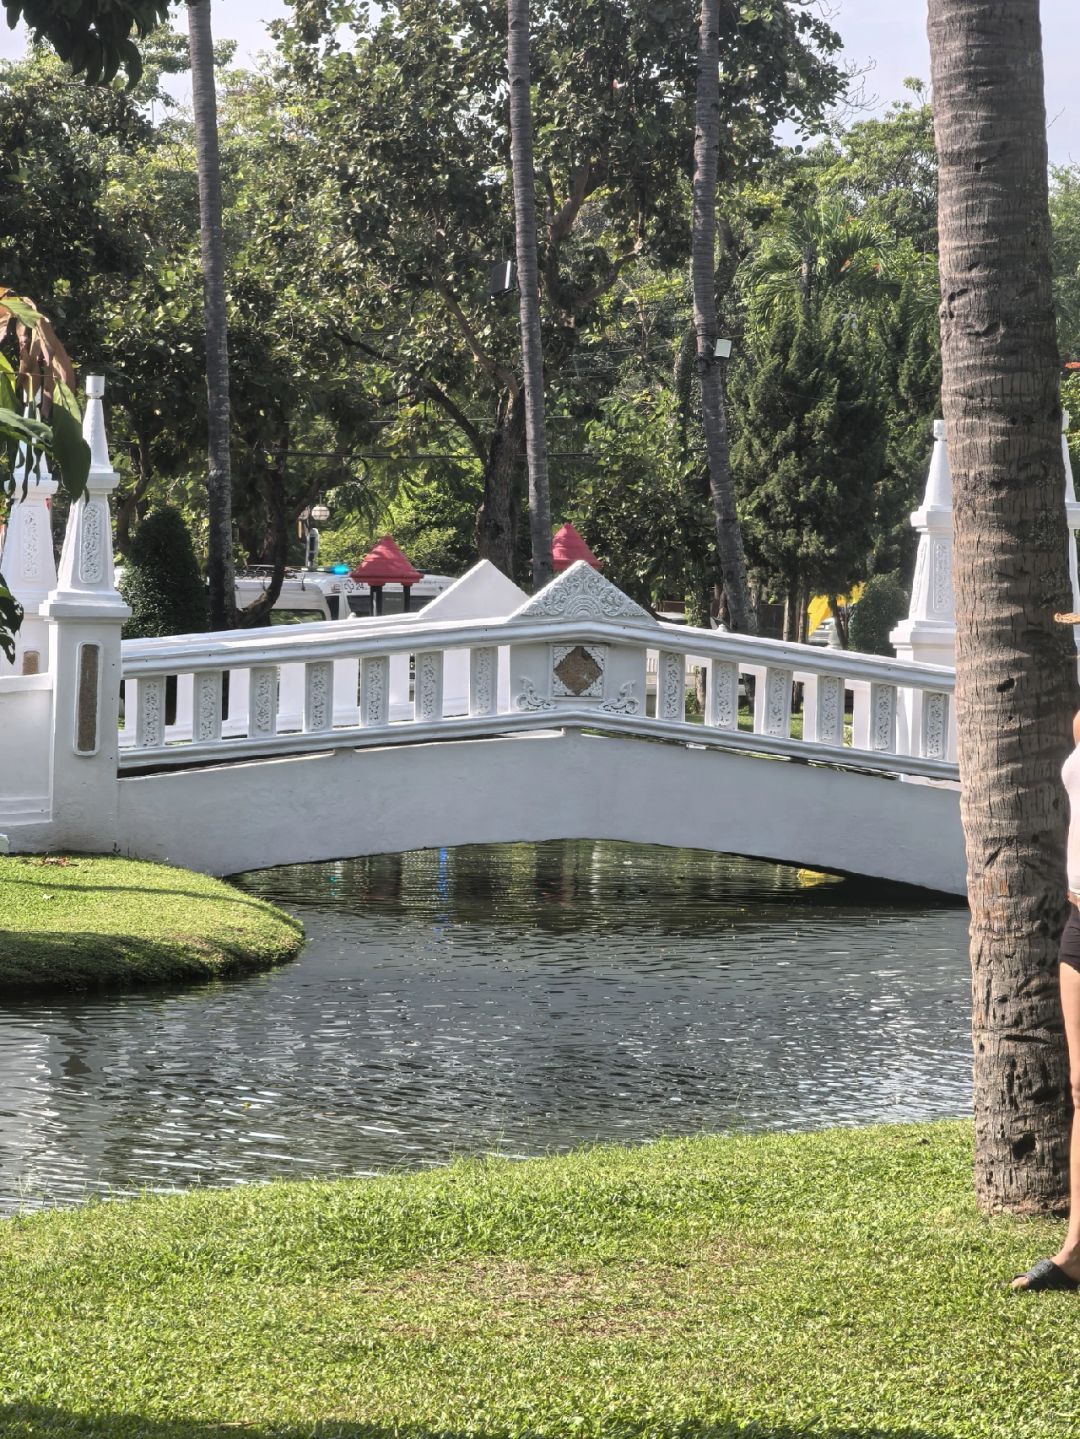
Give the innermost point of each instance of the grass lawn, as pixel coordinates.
(835, 1284)
(85, 921)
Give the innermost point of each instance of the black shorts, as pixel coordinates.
(1070, 939)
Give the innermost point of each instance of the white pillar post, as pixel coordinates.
(928, 635)
(27, 562)
(86, 615)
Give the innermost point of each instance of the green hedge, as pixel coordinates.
(161, 580)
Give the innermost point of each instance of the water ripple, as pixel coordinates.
(511, 1000)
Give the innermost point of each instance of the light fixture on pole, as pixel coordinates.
(722, 350)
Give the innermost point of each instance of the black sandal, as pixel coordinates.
(1046, 1275)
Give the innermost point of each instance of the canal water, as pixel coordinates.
(516, 1000)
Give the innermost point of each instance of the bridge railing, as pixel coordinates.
(206, 698)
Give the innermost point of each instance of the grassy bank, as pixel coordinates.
(838, 1284)
(87, 922)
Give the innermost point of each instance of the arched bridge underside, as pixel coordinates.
(553, 784)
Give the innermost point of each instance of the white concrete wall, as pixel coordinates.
(344, 803)
(24, 776)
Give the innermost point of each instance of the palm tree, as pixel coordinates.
(818, 251)
(521, 147)
(220, 569)
(1015, 670)
(729, 546)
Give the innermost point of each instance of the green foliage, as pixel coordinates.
(91, 923)
(637, 507)
(882, 605)
(94, 37)
(809, 453)
(161, 580)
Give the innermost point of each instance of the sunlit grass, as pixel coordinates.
(85, 921)
(830, 1284)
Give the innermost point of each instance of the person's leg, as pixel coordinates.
(1068, 1256)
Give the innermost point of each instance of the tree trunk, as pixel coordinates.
(495, 528)
(276, 553)
(212, 245)
(703, 274)
(1015, 669)
(521, 149)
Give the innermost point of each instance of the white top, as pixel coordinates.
(1070, 773)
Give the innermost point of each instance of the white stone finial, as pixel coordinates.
(26, 558)
(938, 495)
(85, 579)
(928, 635)
(94, 424)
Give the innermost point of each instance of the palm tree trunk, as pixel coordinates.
(703, 274)
(495, 527)
(521, 151)
(212, 244)
(1015, 670)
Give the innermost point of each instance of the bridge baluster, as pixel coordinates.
(823, 709)
(206, 706)
(883, 718)
(428, 682)
(772, 704)
(318, 696)
(722, 695)
(934, 725)
(150, 714)
(375, 692)
(262, 700)
(671, 686)
(484, 680)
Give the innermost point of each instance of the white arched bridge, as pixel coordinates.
(489, 716)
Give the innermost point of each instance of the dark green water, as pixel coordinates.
(517, 1000)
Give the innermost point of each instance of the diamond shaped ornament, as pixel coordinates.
(578, 670)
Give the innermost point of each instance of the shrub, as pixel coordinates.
(882, 605)
(161, 580)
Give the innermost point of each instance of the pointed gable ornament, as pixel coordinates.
(581, 593)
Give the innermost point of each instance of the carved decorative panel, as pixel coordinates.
(777, 719)
(428, 693)
(581, 593)
(883, 718)
(625, 702)
(830, 712)
(91, 550)
(943, 587)
(150, 720)
(375, 691)
(206, 706)
(578, 671)
(318, 696)
(722, 695)
(262, 700)
(670, 686)
(31, 544)
(529, 699)
(935, 725)
(484, 680)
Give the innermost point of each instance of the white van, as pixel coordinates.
(311, 595)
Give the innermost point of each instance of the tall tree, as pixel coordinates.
(1015, 670)
(532, 354)
(729, 546)
(220, 569)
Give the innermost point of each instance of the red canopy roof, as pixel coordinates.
(568, 546)
(385, 565)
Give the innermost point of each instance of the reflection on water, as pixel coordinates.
(514, 999)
